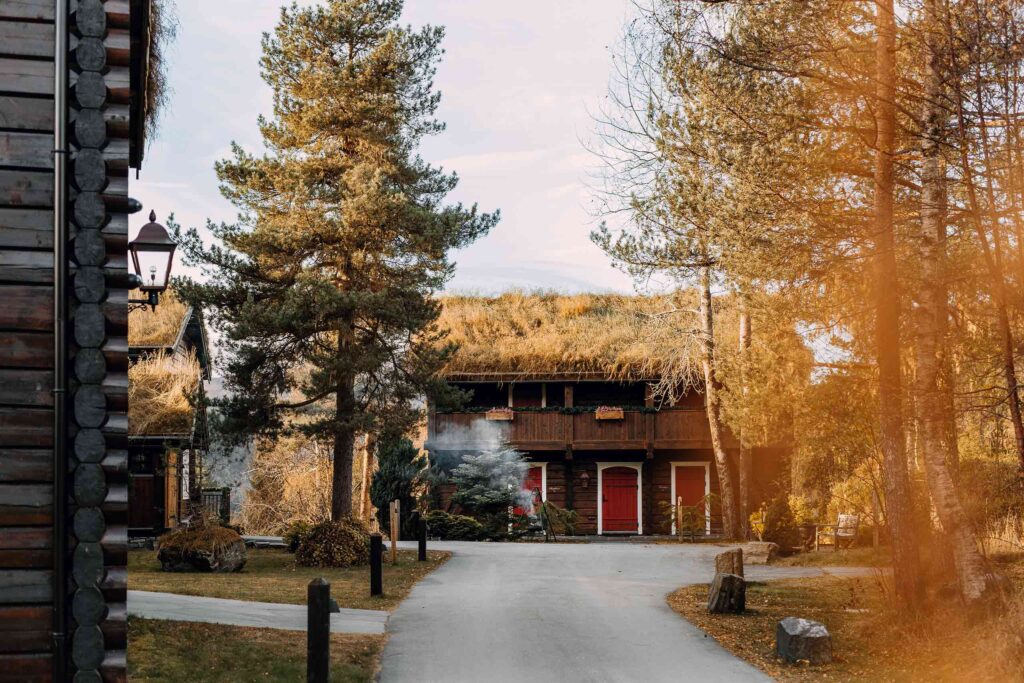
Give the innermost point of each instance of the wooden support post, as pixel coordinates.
(421, 536)
(376, 565)
(318, 631)
(395, 529)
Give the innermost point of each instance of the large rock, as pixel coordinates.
(730, 562)
(799, 640)
(728, 594)
(760, 552)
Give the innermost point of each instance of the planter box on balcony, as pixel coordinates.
(500, 414)
(607, 413)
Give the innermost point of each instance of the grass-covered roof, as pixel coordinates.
(160, 327)
(552, 335)
(160, 389)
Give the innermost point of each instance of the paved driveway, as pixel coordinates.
(532, 613)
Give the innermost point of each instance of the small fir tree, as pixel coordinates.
(489, 487)
(397, 475)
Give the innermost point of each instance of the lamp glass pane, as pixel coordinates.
(153, 268)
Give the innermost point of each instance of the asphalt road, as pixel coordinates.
(533, 613)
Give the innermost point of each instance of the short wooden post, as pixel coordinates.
(679, 517)
(318, 631)
(421, 536)
(376, 564)
(396, 512)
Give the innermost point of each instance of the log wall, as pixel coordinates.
(26, 339)
(96, 509)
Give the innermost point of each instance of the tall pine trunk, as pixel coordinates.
(344, 431)
(931, 320)
(899, 497)
(713, 404)
(745, 464)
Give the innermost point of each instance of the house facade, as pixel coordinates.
(596, 441)
(74, 78)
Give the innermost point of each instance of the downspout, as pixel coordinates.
(60, 268)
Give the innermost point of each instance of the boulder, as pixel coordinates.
(728, 594)
(730, 562)
(799, 640)
(760, 552)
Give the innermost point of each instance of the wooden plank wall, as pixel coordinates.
(96, 511)
(26, 339)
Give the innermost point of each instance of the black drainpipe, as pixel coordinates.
(60, 274)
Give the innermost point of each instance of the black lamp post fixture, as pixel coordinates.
(152, 253)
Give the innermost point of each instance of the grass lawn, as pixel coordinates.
(871, 642)
(270, 575)
(186, 651)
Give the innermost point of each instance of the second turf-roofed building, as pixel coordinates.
(568, 381)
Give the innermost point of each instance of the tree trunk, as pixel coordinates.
(712, 402)
(899, 500)
(344, 432)
(932, 315)
(744, 461)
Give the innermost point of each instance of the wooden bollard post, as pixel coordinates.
(376, 564)
(396, 529)
(318, 631)
(421, 536)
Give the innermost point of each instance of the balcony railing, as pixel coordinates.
(557, 431)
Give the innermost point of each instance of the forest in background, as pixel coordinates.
(853, 170)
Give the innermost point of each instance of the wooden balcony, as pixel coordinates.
(555, 431)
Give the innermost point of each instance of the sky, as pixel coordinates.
(520, 83)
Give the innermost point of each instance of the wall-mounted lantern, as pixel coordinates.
(152, 253)
(584, 480)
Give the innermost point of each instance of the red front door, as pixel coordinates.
(619, 500)
(533, 483)
(689, 484)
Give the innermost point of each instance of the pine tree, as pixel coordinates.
(321, 290)
(397, 474)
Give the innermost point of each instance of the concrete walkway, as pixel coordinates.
(562, 612)
(242, 613)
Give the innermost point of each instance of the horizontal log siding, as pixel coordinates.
(26, 339)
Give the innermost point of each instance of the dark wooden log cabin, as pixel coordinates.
(165, 464)
(72, 93)
(621, 474)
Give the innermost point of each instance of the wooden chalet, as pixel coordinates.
(562, 381)
(74, 88)
(167, 438)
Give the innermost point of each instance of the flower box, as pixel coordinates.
(500, 414)
(609, 413)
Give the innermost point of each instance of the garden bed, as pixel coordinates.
(271, 575)
(185, 651)
(870, 641)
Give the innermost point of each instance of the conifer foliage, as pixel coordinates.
(322, 288)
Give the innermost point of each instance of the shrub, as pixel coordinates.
(560, 520)
(780, 525)
(203, 548)
(297, 531)
(343, 543)
(449, 527)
